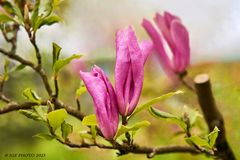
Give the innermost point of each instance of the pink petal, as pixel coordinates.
(128, 76)
(165, 29)
(158, 45)
(121, 67)
(146, 48)
(104, 99)
(137, 60)
(181, 39)
(169, 18)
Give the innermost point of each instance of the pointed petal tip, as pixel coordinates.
(144, 21)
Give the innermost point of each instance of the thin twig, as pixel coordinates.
(78, 104)
(32, 37)
(4, 98)
(39, 70)
(187, 81)
(56, 86)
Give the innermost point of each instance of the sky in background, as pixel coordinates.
(90, 26)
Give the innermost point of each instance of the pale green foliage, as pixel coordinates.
(29, 94)
(90, 120)
(56, 118)
(123, 129)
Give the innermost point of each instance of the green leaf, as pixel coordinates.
(31, 95)
(44, 136)
(18, 68)
(19, 15)
(133, 128)
(55, 52)
(4, 18)
(192, 114)
(66, 129)
(90, 120)
(49, 21)
(41, 111)
(172, 118)
(212, 136)
(198, 141)
(56, 118)
(80, 91)
(85, 134)
(59, 64)
(30, 114)
(155, 100)
(8, 7)
(46, 8)
(43, 14)
(35, 12)
(93, 132)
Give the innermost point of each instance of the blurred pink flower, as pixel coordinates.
(176, 37)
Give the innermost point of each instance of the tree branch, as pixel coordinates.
(32, 37)
(4, 98)
(212, 115)
(39, 70)
(14, 106)
(149, 151)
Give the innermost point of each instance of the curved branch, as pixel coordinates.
(14, 106)
(149, 151)
(38, 69)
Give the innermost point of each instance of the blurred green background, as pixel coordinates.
(89, 27)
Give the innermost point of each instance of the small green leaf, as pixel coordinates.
(80, 91)
(90, 120)
(172, 118)
(31, 95)
(4, 18)
(212, 136)
(198, 141)
(59, 64)
(133, 128)
(93, 132)
(46, 8)
(66, 129)
(56, 118)
(192, 114)
(85, 134)
(49, 21)
(44, 136)
(8, 7)
(30, 114)
(154, 101)
(56, 52)
(18, 68)
(41, 111)
(35, 12)
(19, 15)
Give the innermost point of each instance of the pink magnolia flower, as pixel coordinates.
(129, 69)
(104, 98)
(176, 37)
